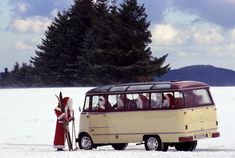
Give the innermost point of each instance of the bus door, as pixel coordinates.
(97, 122)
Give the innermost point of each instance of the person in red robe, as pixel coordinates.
(67, 116)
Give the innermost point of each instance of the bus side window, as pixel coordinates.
(104, 104)
(202, 97)
(168, 100)
(189, 98)
(131, 101)
(100, 103)
(116, 102)
(179, 101)
(156, 100)
(86, 104)
(121, 101)
(142, 101)
(95, 101)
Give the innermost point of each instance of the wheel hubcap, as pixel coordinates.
(152, 143)
(86, 142)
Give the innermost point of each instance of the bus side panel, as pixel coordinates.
(132, 126)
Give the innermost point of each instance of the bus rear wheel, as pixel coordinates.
(120, 146)
(153, 143)
(186, 146)
(165, 147)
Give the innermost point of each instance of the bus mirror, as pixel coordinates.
(79, 109)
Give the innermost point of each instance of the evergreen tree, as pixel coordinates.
(20, 76)
(48, 62)
(59, 60)
(3, 76)
(128, 57)
(81, 22)
(97, 44)
(136, 36)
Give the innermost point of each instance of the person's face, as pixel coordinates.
(101, 101)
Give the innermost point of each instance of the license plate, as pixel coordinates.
(200, 136)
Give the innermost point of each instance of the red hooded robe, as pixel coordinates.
(59, 139)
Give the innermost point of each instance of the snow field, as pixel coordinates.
(27, 123)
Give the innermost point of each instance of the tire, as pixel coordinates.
(165, 147)
(186, 146)
(85, 142)
(194, 145)
(120, 146)
(153, 143)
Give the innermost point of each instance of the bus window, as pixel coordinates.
(116, 102)
(202, 97)
(98, 103)
(162, 100)
(156, 100)
(168, 100)
(197, 97)
(86, 105)
(121, 100)
(143, 101)
(95, 100)
(131, 104)
(137, 101)
(189, 98)
(179, 101)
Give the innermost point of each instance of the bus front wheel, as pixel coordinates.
(153, 143)
(85, 142)
(186, 146)
(120, 146)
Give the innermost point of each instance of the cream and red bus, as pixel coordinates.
(156, 114)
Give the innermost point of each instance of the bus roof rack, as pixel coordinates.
(143, 86)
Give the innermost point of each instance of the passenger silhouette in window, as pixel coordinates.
(142, 102)
(121, 101)
(168, 101)
(101, 104)
(160, 100)
(156, 100)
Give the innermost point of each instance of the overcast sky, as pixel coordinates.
(190, 31)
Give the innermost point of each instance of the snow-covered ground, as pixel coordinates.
(27, 124)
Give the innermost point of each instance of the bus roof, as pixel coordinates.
(145, 86)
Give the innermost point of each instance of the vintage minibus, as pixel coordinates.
(156, 114)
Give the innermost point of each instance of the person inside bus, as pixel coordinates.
(168, 101)
(162, 101)
(156, 101)
(104, 103)
(120, 102)
(142, 102)
(101, 104)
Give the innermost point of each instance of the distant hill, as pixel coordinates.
(211, 75)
